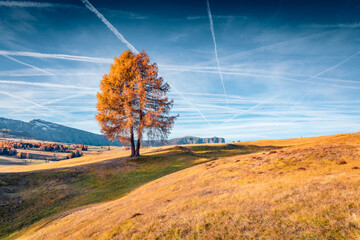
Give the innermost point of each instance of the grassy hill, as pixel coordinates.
(305, 188)
(30, 193)
(94, 155)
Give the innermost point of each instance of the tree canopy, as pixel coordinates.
(133, 102)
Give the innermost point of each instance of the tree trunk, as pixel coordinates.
(133, 152)
(138, 145)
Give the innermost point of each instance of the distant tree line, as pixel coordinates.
(11, 148)
(76, 153)
(23, 155)
(7, 149)
(18, 145)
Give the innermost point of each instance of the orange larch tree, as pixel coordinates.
(132, 102)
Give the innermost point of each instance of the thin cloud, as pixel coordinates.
(124, 14)
(215, 50)
(273, 46)
(109, 25)
(227, 17)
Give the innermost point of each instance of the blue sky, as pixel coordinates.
(280, 69)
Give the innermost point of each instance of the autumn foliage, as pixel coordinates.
(132, 102)
(11, 148)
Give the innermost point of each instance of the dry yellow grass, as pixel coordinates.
(338, 138)
(65, 163)
(307, 191)
(108, 155)
(119, 152)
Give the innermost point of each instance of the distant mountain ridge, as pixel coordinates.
(195, 140)
(185, 140)
(48, 131)
(8, 133)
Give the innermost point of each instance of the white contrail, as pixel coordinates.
(308, 81)
(28, 101)
(322, 72)
(63, 72)
(29, 65)
(65, 98)
(271, 46)
(57, 56)
(191, 104)
(327, 70)
(54, 101)
(32, 4)
(110, 60)
(264, 75)
(72, 58)
(250, 109)
(29, 4)
(23, 99)
(215, 49)
(110, 26)
(51, 85)
(335, 66)
(178, 68)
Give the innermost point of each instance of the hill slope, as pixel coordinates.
(307, 191)
(26, 197)
(47, 131)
